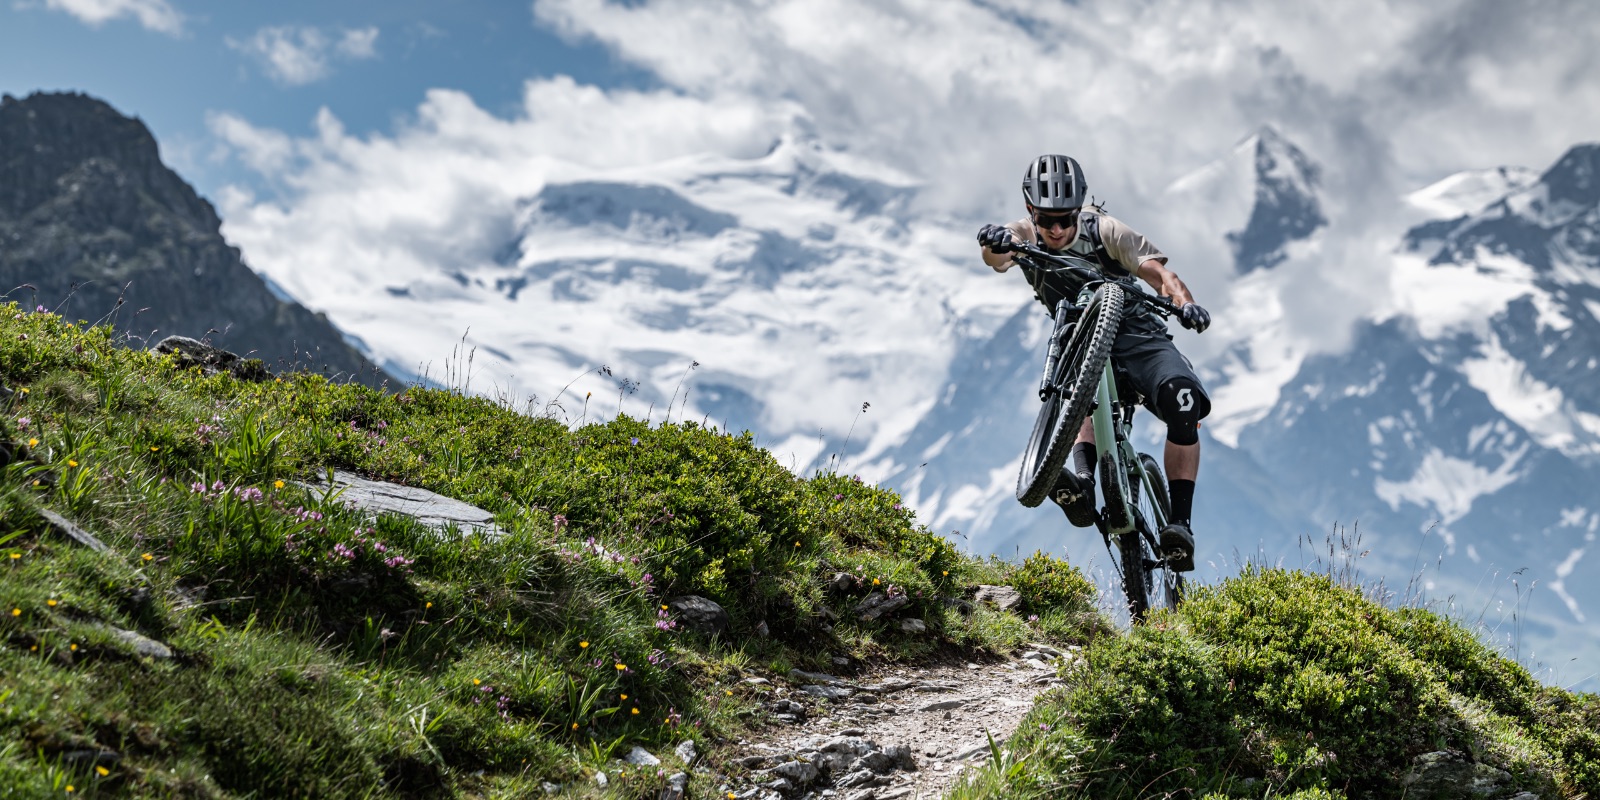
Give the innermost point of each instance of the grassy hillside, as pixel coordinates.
(317, 652)
(1279, 684)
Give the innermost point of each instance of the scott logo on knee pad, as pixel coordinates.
(1185, 400)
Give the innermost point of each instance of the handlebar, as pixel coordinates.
(1161, 305)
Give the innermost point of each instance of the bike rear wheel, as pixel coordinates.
(1154, 506)
(1076, 377)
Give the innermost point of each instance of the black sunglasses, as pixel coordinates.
(1047, 221)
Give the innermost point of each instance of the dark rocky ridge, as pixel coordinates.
(94, 226)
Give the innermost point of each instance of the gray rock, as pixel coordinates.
(934, 687)
(1046, 649)
(1034, 655)
(801, 676)
(686, 752)
(65, 527)
(142, 645)
(788, 719)
(429, 508)
(879, 605)
(699, 614)
(1004, 598)
(856, 777)
(600, 780)
(752, 762)
(892, 794)
(189, 353)
(1448, 775)
(887, 687)
(550, 788)
(677, 784)
(827, 692)
(901, 756)
(798, 773)
(913, 625)
(841, 582)
(943, 705)
(641, 757)
(762, 631)
(757, 682)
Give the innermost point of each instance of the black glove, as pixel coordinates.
(1193, 317)
(998, 238)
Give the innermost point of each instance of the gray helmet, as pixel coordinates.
(1054, 183)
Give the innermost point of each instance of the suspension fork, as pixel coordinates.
(1047, 384)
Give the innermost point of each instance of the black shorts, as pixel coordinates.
(1147, 358)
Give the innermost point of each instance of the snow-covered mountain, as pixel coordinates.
(784, 293)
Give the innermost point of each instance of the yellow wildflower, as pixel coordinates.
(74, 647)
(947, 573)
(621, 667)
(574, 726)
(476, 682)
(70, 789)
(102, 770)
(16, 612)
(24, 390)
(71, 463)
(874, 581)
(429, 605)
(624, 697)
(33, 442)
(277, 484)
(582, 645)
(51, 602)
(730, 692)
(636, 712)
(15, 556)
(155, 449)
(147, 557)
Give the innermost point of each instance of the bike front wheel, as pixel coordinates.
(1076, 378)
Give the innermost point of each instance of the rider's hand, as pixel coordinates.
(998, 238)
(1193, 317)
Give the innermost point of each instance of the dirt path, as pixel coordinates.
(897, 733)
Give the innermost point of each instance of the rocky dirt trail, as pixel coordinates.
(894, 733)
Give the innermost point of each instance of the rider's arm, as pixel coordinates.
(1023, 230)
(1166, 282)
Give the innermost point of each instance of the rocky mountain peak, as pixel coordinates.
(1575, 177)
(94, 226)
(1286, 206)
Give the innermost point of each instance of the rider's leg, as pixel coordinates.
(1183, 466)
(1083, 450)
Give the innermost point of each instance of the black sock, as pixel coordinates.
(1182, 499)
(1084, 456)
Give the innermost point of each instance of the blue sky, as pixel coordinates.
(172, 73)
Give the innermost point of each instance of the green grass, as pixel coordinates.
(1285, 684)
(321, 653)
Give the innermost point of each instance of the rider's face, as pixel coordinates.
(1056, 229)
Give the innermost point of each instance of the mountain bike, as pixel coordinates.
(1080, 380)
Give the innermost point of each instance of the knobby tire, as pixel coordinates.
(1158, 587)
(1076, 378)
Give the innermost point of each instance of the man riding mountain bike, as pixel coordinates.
(1059, 222)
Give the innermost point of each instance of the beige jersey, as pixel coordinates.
(1127, 247)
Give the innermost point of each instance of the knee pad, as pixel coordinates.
(1182, 404)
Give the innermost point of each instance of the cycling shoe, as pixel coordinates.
(1177, 546)
(1075, 494)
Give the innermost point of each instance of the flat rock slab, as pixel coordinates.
(65, 527)
(429, 508)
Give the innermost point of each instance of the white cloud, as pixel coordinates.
(155, 15)
(1387, 95)
(359, 43)
(294, 56)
